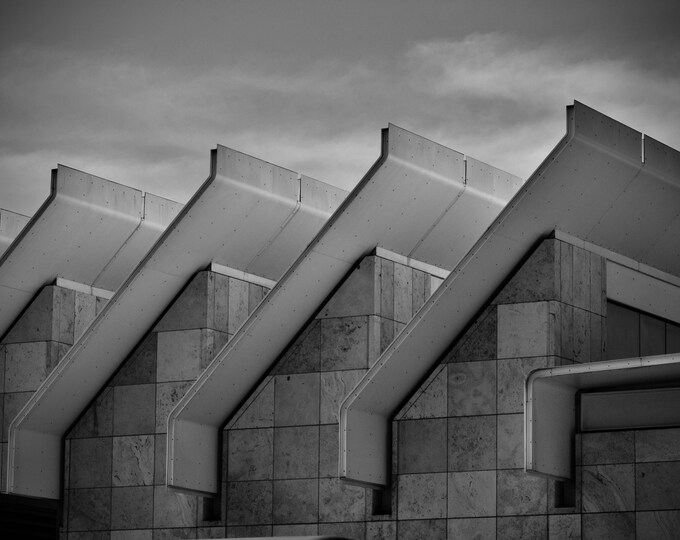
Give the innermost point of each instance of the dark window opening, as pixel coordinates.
(382, 501)
(632, 333)
(565, 493)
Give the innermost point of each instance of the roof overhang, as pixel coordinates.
(249, 215)
(11, 224)
(417, 201)
(621, 394)
(89, 230)
(595, 185)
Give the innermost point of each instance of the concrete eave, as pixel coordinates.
(417, 201)
(251, 216)
(594, 186)
(89, 230)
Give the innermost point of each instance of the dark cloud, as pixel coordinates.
(140, 96)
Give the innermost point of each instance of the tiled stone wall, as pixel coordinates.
(31, 349)
(631, 484)
(281, 449)
(115, 454)
(459, 441)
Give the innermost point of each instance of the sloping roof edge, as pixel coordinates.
(416, 190)
(240, 213)
(594, 175)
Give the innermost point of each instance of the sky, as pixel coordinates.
(140, 91)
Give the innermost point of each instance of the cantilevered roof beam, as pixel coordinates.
(11, 224)
(249, 215)
(595, 186)
(89, 230)
(416, 201)
(619, 394)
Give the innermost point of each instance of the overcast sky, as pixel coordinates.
(139, 91)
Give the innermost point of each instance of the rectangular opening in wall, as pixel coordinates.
(565, 493)
(382, 501)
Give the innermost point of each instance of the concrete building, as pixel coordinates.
(445, 352)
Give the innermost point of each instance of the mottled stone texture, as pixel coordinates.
(35, 344)
(550, 312)
(282, 445)
(115, 476)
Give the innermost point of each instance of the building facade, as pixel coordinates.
(378, 379)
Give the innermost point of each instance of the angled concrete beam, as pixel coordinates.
(89, 230)
(595, 186)
(11, 224)
(550, 418)
(414, 202)
(249, 215)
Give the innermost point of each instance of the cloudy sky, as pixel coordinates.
(139, 91)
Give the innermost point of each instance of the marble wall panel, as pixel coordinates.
(522, 527)
(132, 534)
(657, 486)
(472, 443)
(431, 399)
(657, 445)
(132, 507)
(432, 529)
(608, 488)
(523, 330)
(510, 441)
(346, 530)
(608, 447)
(133, 460)
(173, 509)
(296, 501)
(387, 289)
(471, 494)
(134, 409)
(98, 419)
(28, 364)
(339, 501)
(659, 525)
(140, 367)
(608, 526)
(422, 446)
(304, 355)
(512, 374)
(250, 454)
(328, 450)
(471, 388)
(472, 529)
(421, 496)
(403, 293)
(249, 503)
(179, 355)
(296, 452)
(519, 493)
(93, 458)
(238, 304)
(296, 399)
(259, 410)
(35, 323)
(191, 308)
(167, 396)
(89, 509)
(335, 386)
(564, 527)
(480, 342)
(358, 295)
(536, 280)
(381, 530)
(344, 343)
